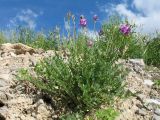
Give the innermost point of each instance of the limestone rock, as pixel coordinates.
(141, 112)
(3, 113)
(156, 117)
(148, 82)
(15, 104)
(17, 48)
(138, 62)
(157, 111)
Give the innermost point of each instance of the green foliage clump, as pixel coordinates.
(72, 116)
(106, 114)
(157, 83)
(152, 53)
(135, 49)
(46, 43)
(34, 39)
(88, 78)
(89, 75)
(24, 35)
(126, 46)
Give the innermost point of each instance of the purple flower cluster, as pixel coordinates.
(83, 21)
(125, 29)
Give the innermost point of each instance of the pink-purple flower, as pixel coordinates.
(83, 21)
(95, 17)
(125, 29)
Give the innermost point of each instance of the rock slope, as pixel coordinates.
(145, 102)
(16, 105)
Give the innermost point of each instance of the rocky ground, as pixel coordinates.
(144, 104)
(15, 104)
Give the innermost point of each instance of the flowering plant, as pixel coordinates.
(125, 29)
(83, 21)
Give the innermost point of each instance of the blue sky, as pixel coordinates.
(47, 14)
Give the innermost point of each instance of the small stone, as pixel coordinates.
(147, 75)
(139, 62)
(156, 117)
(137, 69)
(34, 115)
(13, 54)
(3, 89)
(157, 111)
(3, 113)
(139, 106)
(42, 109)
(149, 107)
(141, 112)
(3, 96)
(40, 102)
(22, 117)
(132, 90)
(27, 54)
(141, 97)
(55, 116)
(42, 112)
(148, 82)
(153, 101)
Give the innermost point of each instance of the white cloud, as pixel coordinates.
(122, 8)
(147, 16)
(26, 17)
(91, 34)
(148, 6)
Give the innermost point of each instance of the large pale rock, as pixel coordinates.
(42, 111)
(148, 82)
(157, 111)
(153, 101)
(138, 62)
(139, 81)
(156, 117)
(16, 49)
(5, 96)
(141, 112)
